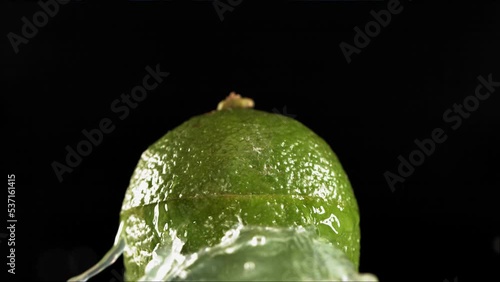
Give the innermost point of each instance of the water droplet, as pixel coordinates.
(249, 265)
(257, 241)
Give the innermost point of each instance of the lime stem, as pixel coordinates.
(235, 101)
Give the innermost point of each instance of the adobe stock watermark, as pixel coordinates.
(284, 112)
(40, 18)
(453, 117)
(121, 107)
(496, 244)
(372, 29)
(2, 236)
(223, 6)
(118, 276)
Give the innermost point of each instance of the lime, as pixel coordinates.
(235, 166)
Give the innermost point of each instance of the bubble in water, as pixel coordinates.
(249, 265)
(258, 241)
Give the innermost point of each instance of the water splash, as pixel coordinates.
(258, 253)
(109, 258)
(245, 253)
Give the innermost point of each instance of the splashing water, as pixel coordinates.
(109, 258)
(248, 253)
(258, 253)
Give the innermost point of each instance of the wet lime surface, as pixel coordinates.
(235, 166)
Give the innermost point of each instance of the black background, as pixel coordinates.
(441, 223)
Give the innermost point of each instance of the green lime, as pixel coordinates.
(235, 166)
